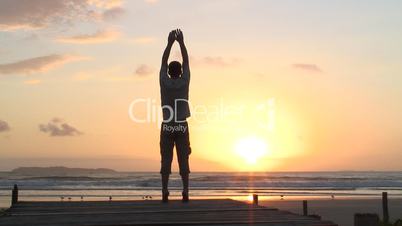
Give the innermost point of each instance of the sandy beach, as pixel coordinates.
(339, 211)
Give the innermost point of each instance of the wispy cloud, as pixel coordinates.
(308, 67)
(105, 74)
(38, 64)
(151, 1)
(113, 13)
(37, 14)
(106, 4)
(220, 61)
(3, 52)
(82, 76)
(97, 37)
(32, 82)
(144, 40)
(143, 70)
(57, 128)
(209, 61)
(215, 61)
(115, 73)
(4, 126)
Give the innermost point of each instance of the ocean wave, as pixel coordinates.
(314, 181)
(75, 178)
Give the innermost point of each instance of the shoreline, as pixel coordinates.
(5, 200)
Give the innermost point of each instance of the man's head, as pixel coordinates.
(174, 69)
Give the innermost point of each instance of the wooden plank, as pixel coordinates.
(152, 212)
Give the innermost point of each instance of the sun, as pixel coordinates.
(251, 149)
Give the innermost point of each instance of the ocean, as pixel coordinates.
(141, 185)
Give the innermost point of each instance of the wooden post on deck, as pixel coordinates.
(305, 210)
(385, 213)
(255, 199)
(367, 219)
(14, 197)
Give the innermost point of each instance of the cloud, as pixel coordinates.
(57, 128)
(4, 127)
(210, 61)
(38, 64)
(32, 82)
(113, 9)
(83, 76)
(307, 67)
(113, 13)
(113, 73)
(37, 14)
(97, 37)
(151, 1)
(106, 4)
(3, 52)
(57, 120)
(144, 40)
(219, 61)
(144, 70)
(214, 61)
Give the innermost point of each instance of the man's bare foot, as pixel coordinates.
(165, 196)
(185, 196)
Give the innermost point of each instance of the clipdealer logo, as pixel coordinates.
(148, 110)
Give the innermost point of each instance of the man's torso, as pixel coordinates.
(174, 98)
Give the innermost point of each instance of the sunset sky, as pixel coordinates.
(316, 85)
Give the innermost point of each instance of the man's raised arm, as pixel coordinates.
(166, 53)
(184, 54)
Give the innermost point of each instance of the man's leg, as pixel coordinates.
(165, 182)
(183, 151)
(166, 149)
(184, 179)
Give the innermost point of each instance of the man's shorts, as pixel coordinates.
(175, 134)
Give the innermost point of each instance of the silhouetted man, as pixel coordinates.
(174, 80)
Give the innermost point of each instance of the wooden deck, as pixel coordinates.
(151, 212)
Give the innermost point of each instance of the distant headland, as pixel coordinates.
(59, 171)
